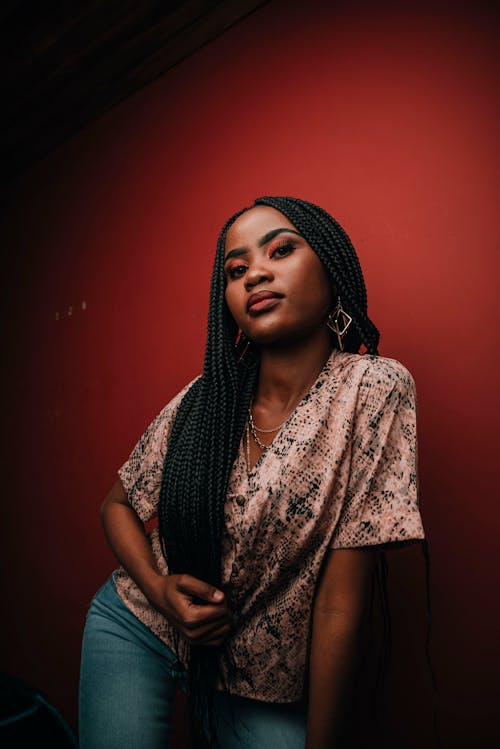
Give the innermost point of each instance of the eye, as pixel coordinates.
(282, 248)
(237, 270)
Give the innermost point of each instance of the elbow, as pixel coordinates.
(103, 511)
(116, 495)
(337, 626)
(103, 508)
(344, 616)
(337, 614)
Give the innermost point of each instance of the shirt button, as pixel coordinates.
(240, 500)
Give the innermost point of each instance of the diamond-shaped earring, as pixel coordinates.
(339, 321)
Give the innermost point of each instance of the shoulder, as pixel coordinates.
(390, 373)
(167, 414)
(176, 400)
(377, 378)
(381, 370)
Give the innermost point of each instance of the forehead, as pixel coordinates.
(253, 224)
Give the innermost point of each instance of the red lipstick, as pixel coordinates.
(263, 300)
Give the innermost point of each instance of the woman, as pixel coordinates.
(276, 476)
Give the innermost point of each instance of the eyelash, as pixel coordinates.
(285, 244)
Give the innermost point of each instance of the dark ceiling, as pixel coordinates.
(66, 63)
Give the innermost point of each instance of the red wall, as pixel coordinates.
(387, 118)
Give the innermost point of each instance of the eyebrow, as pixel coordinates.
(239, 251)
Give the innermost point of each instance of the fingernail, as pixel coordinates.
(217, 595)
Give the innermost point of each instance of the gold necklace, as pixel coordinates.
(257, 429)
(247, 434)
(262, 446)
(251, 426)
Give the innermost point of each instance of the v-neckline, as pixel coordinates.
(242, 453)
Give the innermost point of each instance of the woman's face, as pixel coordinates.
(277, 289)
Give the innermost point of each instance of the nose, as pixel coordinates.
(258, 272)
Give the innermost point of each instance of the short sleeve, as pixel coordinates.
(381, 500)
(141, 474)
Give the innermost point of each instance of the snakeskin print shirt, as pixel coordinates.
(340, 473)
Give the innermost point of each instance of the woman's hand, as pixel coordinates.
(196, 609)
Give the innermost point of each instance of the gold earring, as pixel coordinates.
(339, 321)
(241, 346)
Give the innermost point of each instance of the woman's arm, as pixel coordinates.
(177, 597)
(338, 610)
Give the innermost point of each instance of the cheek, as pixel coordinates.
(231, 301)
(317, 304)
(326, 290)
(323, 284)
(319, 292)
(228, 296)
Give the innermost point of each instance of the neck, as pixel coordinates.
(288, 371)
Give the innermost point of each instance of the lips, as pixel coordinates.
(263, 300)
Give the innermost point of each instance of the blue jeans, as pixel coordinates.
(128, 682)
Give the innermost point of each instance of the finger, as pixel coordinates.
(209, 630)
(218, 638)
(202, 590)
(195, 617)
(215, 637)
(198, 630)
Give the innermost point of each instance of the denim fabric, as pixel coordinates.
(128, 681)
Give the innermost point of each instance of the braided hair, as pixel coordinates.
(211, 418)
